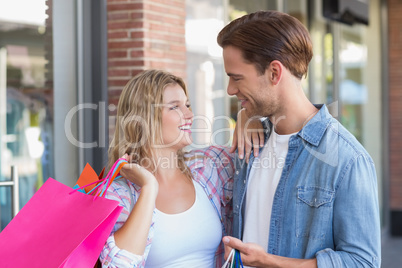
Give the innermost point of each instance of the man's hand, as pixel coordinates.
(255, 256)
(251, 254)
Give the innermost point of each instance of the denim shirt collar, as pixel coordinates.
(313, 131)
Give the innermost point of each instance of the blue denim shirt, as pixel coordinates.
(326, 202)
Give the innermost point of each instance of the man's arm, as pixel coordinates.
(255, 256)
(356, 219)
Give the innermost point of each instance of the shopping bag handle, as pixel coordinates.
(112, 174)
(101, 188)
(233, 260)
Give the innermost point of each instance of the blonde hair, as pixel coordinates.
(139, 118)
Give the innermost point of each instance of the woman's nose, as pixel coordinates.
(188, 114)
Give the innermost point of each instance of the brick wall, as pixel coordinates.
(143, 34)
(395, 112)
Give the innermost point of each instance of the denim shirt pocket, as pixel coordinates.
(313, 211)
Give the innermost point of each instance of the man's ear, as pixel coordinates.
(275, 71)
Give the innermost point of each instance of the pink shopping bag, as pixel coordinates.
(58, 228)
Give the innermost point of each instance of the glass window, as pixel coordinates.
(205, 73)
(26, 123)
(352, 88)
(298, 9)
(321, 69)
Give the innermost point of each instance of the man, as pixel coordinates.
(310, 198)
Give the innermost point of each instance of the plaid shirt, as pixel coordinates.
(212, 168)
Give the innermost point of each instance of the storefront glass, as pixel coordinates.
(26, 124)
(205, 73)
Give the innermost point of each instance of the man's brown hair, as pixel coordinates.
(264, 36)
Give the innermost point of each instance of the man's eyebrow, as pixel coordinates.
(232, 74)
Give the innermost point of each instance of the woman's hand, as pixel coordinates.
(248, 134)
(138, 174)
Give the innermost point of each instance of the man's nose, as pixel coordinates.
(231, 89)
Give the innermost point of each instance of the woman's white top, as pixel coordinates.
(186, 239)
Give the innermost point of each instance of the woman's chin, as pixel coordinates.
(188, 141)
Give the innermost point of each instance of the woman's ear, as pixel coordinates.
(275, 71)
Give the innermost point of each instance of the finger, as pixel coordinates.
(247, 148)
(234, 143)
(232, 242)
(240, 144)
(256, 143)
(228, 249)
(123, 171)
(261, 137)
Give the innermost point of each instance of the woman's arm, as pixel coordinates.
(129, 244)
(139, 220)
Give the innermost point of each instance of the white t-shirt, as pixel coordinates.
(187, 239)
(264, 177)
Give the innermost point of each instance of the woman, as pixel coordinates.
(174, 204)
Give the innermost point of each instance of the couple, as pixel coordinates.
(318, 208)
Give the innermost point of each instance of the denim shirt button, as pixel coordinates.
(244, 181)
(237, 172)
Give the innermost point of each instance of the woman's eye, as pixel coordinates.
(174, 107)
(188, 105)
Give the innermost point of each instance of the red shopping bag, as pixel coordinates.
(58, 227)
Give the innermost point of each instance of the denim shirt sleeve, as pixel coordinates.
(356, 222)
